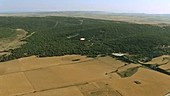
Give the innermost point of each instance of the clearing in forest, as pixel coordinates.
(12, 40)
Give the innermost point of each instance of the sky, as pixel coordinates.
(116, 6)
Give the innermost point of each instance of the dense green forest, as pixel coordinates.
(55, 36)
(6, 32)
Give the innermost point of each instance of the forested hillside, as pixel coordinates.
(6, 32)
(54, 36)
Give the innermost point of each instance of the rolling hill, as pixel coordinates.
(56, 36)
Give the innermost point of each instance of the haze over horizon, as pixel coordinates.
(121, 6)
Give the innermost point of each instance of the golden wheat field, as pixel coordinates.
(75, 75)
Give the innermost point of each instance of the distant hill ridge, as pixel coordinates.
(140, 18)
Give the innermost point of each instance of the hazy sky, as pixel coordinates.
(121, 6)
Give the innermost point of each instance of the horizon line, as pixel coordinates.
(108, 12)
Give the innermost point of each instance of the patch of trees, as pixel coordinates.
(6, 32)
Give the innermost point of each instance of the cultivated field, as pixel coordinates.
(15, 84)
(75, 75)
(144, 83)
(160, 60)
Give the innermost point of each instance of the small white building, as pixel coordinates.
(82, 39)
(118, 54)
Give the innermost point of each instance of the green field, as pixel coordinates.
(56, 36)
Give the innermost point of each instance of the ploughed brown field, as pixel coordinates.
(75, 75)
